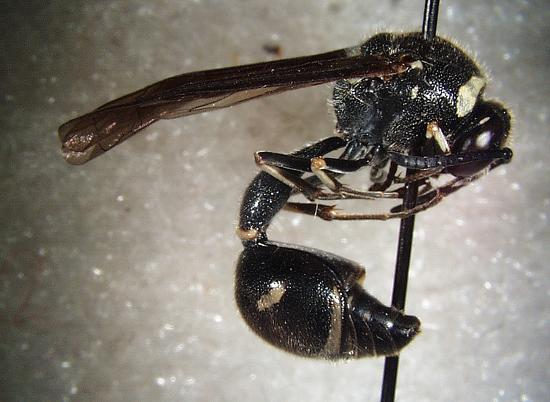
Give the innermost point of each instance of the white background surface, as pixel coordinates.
(117, 276)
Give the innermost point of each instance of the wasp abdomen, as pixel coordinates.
(309, 302)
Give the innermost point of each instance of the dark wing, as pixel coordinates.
(92, 134)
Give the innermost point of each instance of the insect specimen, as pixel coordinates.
(401, 101)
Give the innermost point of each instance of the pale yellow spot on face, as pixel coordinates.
(468, 94)
(272, 297)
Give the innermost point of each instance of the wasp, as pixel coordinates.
(401, 102)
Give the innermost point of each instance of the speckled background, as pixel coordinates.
(116, 277)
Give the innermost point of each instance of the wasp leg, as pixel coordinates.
(451, 186)
(308, 190)
(303, 164)
(351, 194)
(426, 200)
(340, 191)
(269, 191)
(330, 212)
(427, 194)
(347, 193)
(383, 186)
(282, 166)
(275, 164)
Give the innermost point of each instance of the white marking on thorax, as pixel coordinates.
(468, 94)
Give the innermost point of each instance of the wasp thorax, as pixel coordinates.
(445, 89)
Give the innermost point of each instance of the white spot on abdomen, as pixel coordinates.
(273, 296)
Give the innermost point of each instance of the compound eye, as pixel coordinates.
(488, 133)
(488, 128)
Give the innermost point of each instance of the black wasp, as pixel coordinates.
(401, 101)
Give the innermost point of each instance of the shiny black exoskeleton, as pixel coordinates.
(307, 301)
(311, 303)
(431, 117)
(444, 88)
(401, 101)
